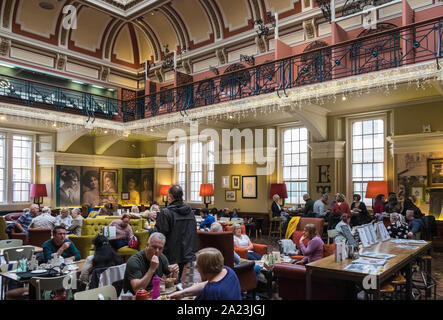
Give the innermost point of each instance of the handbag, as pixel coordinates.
(133, 242)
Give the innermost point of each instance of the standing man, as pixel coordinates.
(177, 222)
(319, 206)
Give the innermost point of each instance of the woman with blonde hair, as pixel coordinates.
(243, 241)
(219, 281)
(314, 250)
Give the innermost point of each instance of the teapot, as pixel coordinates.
(142, 294)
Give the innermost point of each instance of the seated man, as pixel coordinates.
(22, 224)
(208, 219)
(142, 266)
(226, 213)
(60, 245)
(44, 220)
(416, 225)
(308, 210)
(319, 206)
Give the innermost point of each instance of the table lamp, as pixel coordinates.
(374, 188)
(280, 189)
(164, 191)
(207, 191)
(38, 191)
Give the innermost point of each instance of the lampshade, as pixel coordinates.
(374, 188)
(38, 190)
(206, 190)
(164, 190)
(280, 189)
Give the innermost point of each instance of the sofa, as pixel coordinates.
(93, 226)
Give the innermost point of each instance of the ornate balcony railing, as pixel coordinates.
(35, 94)
(392, 48)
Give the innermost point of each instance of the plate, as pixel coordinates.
(39, 271)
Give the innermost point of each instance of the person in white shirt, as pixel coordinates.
(243, 241)
(76, 224)
(44, 220)
(64, 219)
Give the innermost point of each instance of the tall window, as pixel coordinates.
(181, 167)
(211, 162)
(367, 154)
(295, 163)
(2, 168)
(196, 171)
(21, 167)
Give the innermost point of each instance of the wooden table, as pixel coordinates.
(327, 267)
(13, 276)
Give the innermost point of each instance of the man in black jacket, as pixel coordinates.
(177, 222)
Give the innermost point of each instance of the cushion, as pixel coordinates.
(126, 251)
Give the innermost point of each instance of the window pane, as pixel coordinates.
(356, 128)
(357, 156)
(21, 167)
(367, 127)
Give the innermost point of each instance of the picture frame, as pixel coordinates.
(225, 182)
(435, 173)
(419, 191)
(249, 190)
(125, 195)
(231, 195)
(236, 182)
(108, 181)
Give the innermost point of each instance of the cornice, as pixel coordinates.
(418, 142)
(327, 150)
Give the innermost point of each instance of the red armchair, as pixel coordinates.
(36, 236)
(261, 249)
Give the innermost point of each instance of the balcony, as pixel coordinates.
(398, 47)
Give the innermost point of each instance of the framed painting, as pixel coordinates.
(108, 181)
(249, 190)
(418, 191)
(125, 195)
(225, 182)
(235, 182)
(435, 173)
(231, 195)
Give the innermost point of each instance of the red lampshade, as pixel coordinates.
(374, 188)
(38, 190)
(280, 189)
(206, 190)
(164, 190)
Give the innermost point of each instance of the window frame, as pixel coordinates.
(281, 129)
(8, 181)
(349, 123)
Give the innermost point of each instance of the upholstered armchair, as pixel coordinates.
(36, 236)
(3, 234)
(261, 249)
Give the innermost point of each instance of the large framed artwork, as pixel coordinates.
(90, 179)
(147, 186)
(131, 184)
(249, 190)
(435, 173)
(108, 181)
(68, 186)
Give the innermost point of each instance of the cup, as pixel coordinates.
(169, 282)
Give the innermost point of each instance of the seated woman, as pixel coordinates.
(235, 213)
(243, 241)
(314, 250)
(379, 207)
(123, 232)
(340, 207)
(360, 214)
(219, 281)
(397, 229)
(104, 256)
(345, 221)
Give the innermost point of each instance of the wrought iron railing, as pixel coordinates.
(392, 48)
(35, 94)
(388, 49)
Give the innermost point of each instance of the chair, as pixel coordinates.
(3, 234)
(11, 243)
(37, 236)
(275, 225)
(331, 234)
(48, 284)
(261, 249)
(259, 226)
(15, 254)
(93, 294)
(317, 222)
(112, 274)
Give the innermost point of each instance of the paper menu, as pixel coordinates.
(363, 237)
(373, 261)
(383, 232)
(377, 255)
(364, 268)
